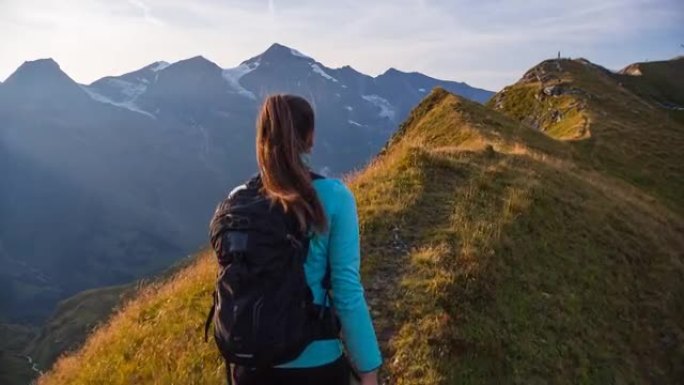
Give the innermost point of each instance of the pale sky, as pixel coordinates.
(486, 43)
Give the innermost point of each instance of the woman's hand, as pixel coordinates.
(370, 378)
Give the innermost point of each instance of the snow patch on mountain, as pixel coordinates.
(160, 66)
(298, 53)
(129, 105)
(386, 108)
(131, 90)
(233, 75)
(317, 69)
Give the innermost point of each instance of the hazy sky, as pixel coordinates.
(487, 43)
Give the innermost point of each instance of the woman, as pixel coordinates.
(285, 135)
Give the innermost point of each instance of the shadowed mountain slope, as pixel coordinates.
(125, 172)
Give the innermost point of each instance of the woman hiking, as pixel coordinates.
(287, 243)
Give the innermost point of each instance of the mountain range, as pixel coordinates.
(111, 181)
(536, 239)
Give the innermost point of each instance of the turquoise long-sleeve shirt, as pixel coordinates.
(340, 244)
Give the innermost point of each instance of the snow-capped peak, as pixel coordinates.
(277, 52)
(233, 76)
(299, 54)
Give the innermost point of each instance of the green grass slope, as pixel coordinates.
(64, 331)
(622, 125)
(14, 366)
(73, 320)
(491, 256)
(77, 316)
(14, 369)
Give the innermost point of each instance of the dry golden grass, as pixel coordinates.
(155, 339)
(491, 256)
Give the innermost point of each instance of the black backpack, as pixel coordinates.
(263, 311)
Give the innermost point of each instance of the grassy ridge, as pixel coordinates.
(493, 253)
(522, 267)
(613, 122)
(496, 259)
(660, 81)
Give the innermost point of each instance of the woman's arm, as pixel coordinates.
(348, 297)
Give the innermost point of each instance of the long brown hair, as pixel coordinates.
(285, 128)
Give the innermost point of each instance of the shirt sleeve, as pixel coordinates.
(348, 294)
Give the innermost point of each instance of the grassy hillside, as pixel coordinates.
(14, 369)
(66, 329)
(522, 267)
(73, 320)
(623, 125)
(156, 339)
(14, 366)
(500, 258)
(660, 81)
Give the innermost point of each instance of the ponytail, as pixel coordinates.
(284, 131)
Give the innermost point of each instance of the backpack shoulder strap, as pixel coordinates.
(326, 283)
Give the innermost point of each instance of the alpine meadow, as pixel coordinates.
(536, 239)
